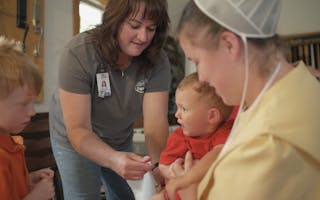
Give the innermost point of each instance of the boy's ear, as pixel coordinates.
(214, 116)
(232, 44)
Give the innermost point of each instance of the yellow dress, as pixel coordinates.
(275, 153)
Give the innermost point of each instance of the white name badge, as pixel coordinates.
(103, 83)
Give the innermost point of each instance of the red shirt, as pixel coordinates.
(234, 112)
(178, 144)
(14, 175)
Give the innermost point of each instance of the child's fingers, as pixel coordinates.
(46, 173)
(188, 161)
(179, 161)
(176, 169)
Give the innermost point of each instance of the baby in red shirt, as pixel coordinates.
(204, 123)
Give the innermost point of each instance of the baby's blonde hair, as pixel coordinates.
(206, 93)
(16, 69)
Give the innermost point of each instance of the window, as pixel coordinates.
(90, 16)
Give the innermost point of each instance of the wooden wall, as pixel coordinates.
(8, 28)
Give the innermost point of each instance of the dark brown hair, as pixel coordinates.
(116, 12)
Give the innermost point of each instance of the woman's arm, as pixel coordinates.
(155, 113)
(76, 112)
(188, 191)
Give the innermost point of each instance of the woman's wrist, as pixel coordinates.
(158, 177)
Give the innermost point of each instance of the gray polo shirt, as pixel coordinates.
(113, 116)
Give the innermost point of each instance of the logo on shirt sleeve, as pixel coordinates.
(140, 86)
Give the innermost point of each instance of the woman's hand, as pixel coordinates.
(176, 168)
(179, 169)
(130, 166)
(160, 180)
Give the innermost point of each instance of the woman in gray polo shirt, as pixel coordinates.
(108, 77)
